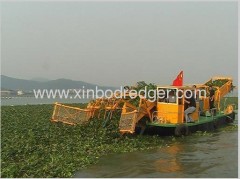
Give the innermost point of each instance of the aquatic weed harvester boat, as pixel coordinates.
(161, 116)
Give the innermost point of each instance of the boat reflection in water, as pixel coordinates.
(172, 164)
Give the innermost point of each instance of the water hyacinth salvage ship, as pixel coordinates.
(161, 116)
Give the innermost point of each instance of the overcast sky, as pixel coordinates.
(119, 43)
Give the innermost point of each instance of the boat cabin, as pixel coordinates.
(171, 106)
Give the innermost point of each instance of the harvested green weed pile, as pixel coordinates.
(32, 146)
(218, 83)
(140, 88)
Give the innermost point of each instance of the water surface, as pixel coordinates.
(211, 156)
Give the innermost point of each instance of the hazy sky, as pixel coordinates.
(118, 43)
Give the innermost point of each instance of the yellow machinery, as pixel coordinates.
(70, 115)
(222, 90)
(165, 110)
(170, 108)
(75, 115)
(131, 114)
(222, 86)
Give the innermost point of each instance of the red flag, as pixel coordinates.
(179, 80)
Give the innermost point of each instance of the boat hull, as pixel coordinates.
(204, 124)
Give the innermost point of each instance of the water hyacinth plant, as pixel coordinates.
(33, 146)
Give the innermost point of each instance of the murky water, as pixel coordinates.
(211, 156)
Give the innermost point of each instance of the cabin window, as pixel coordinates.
(172, 96)
(168, 97)
(162, 95)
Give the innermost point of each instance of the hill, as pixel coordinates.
(29, 85)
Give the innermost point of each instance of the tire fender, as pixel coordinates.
(181, 130)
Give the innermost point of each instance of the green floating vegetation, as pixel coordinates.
(203, 133)
(229, 128)
(229, 100)
(33, 146)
